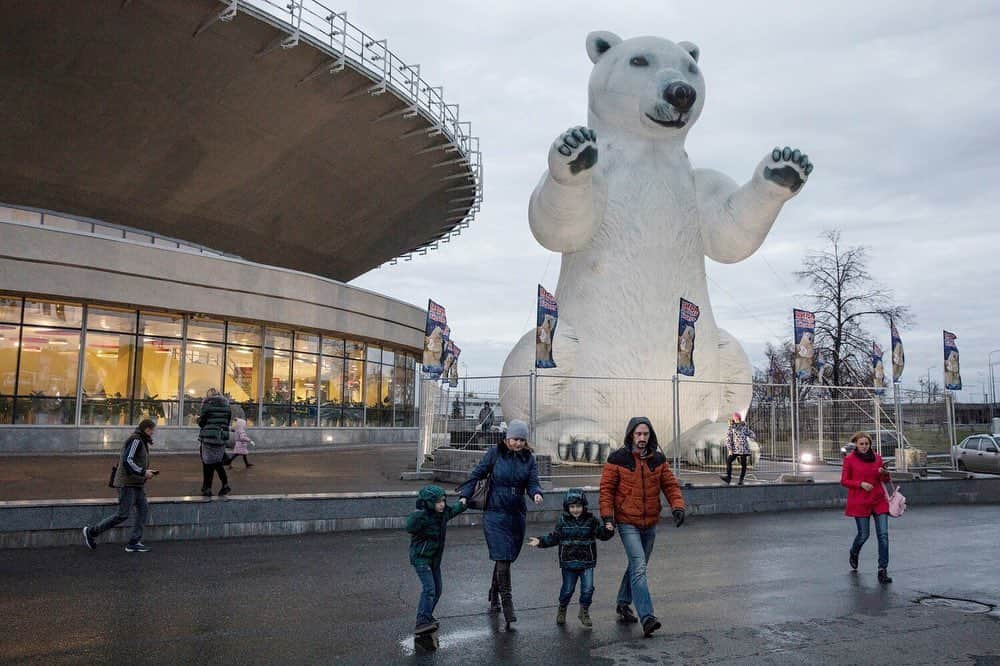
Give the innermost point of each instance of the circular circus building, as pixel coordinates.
(185, 189)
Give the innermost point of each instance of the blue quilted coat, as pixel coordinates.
(515, 477)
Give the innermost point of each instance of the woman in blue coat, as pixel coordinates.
(515, 473)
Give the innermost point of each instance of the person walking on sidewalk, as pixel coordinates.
(515, 472)
(862, 475)
(213, 437)
(631, 482)
(427, 527)
(130, 480)
(240, 441)
(576, 533)
(737, 446)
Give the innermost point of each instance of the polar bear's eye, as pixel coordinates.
(638, 61)
(693, 68)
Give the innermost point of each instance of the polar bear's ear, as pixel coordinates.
(692, 49)
(599, 41)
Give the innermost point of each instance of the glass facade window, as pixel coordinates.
(161, 325)
(243, 379)
(331, 346)
(306, 342)
(277, 387)
(52, 313)
(134, 362)
(278, 338)
(106, 319)
(10, 309)
(354, 349)
(158, 375)
(245, 335)
(206, 330)
(304, 389)
(203, 366)
(10, 340)
(46, 376)
(107, 378)
(331, 391)
(354, 398)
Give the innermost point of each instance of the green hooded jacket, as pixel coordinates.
(428, 527)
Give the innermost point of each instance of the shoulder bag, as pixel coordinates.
(897, 501)
(481, 494)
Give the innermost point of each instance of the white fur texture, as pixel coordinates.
(634, 230)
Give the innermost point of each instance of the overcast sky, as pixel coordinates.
(896, 104)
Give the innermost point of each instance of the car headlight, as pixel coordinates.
(806, 457)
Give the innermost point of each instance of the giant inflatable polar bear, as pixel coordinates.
(634, 223)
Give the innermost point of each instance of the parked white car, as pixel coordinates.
(977, 453)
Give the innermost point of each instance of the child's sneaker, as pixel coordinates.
(625, 614)
(585, 616)
(561, 615)
(425, 628)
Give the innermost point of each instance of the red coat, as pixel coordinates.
(863, 503)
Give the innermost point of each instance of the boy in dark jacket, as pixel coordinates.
(576, 533)
(428, 525)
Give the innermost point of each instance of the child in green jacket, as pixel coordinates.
(428, 525)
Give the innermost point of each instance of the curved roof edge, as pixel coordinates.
(330, 32)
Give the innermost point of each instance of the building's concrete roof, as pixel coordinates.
(117, 111)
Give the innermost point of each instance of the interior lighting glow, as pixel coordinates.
(807, 457)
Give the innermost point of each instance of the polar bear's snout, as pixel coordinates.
(680, 95)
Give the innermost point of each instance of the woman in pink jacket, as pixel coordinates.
(862, 475)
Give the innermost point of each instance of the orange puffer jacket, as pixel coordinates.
(631, 486)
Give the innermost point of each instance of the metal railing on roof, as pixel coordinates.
(315, 23)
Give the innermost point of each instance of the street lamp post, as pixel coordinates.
(993, 386)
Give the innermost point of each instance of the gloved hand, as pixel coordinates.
(678, 517)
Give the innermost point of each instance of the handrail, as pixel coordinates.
(323, 28)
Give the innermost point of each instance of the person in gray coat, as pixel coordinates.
(214, 436)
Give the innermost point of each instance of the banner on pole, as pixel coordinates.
(804, 331)
(952, 371)
(545, 330)
(455, 351)
(898, 357)
(434, 340)
(878, 369)
(689, 313)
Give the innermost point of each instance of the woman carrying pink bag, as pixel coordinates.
(863, 475)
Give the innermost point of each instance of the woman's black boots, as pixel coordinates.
(506, 601)
(494, 593)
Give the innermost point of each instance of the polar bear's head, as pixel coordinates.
(647, 86)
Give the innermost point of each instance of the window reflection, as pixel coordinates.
(107, 378)
(331, 390)
(242, 377)
(46, 379)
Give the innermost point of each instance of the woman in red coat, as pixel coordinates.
(862, 475)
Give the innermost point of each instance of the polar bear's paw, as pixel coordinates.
(788, 168)
(584, 447)
(573, 153)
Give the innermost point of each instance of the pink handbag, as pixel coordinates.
(897, 501)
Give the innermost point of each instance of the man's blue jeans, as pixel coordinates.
(638, 544)
(881, 532)
(570, 576)
(430, 578)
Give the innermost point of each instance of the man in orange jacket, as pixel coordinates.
(631, 482)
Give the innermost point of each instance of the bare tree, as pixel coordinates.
(843, 293)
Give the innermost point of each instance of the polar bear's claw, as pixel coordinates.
(793, 168)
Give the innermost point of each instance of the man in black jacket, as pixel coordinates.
(130, 480)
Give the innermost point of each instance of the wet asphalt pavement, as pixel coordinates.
(758, 588)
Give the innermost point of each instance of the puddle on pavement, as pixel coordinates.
(961, 605)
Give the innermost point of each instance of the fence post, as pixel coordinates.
(899, 429)
(819, 426)
(533, 403)
(949, 407)
(877, 404)
(676, 382)
(794, 403)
